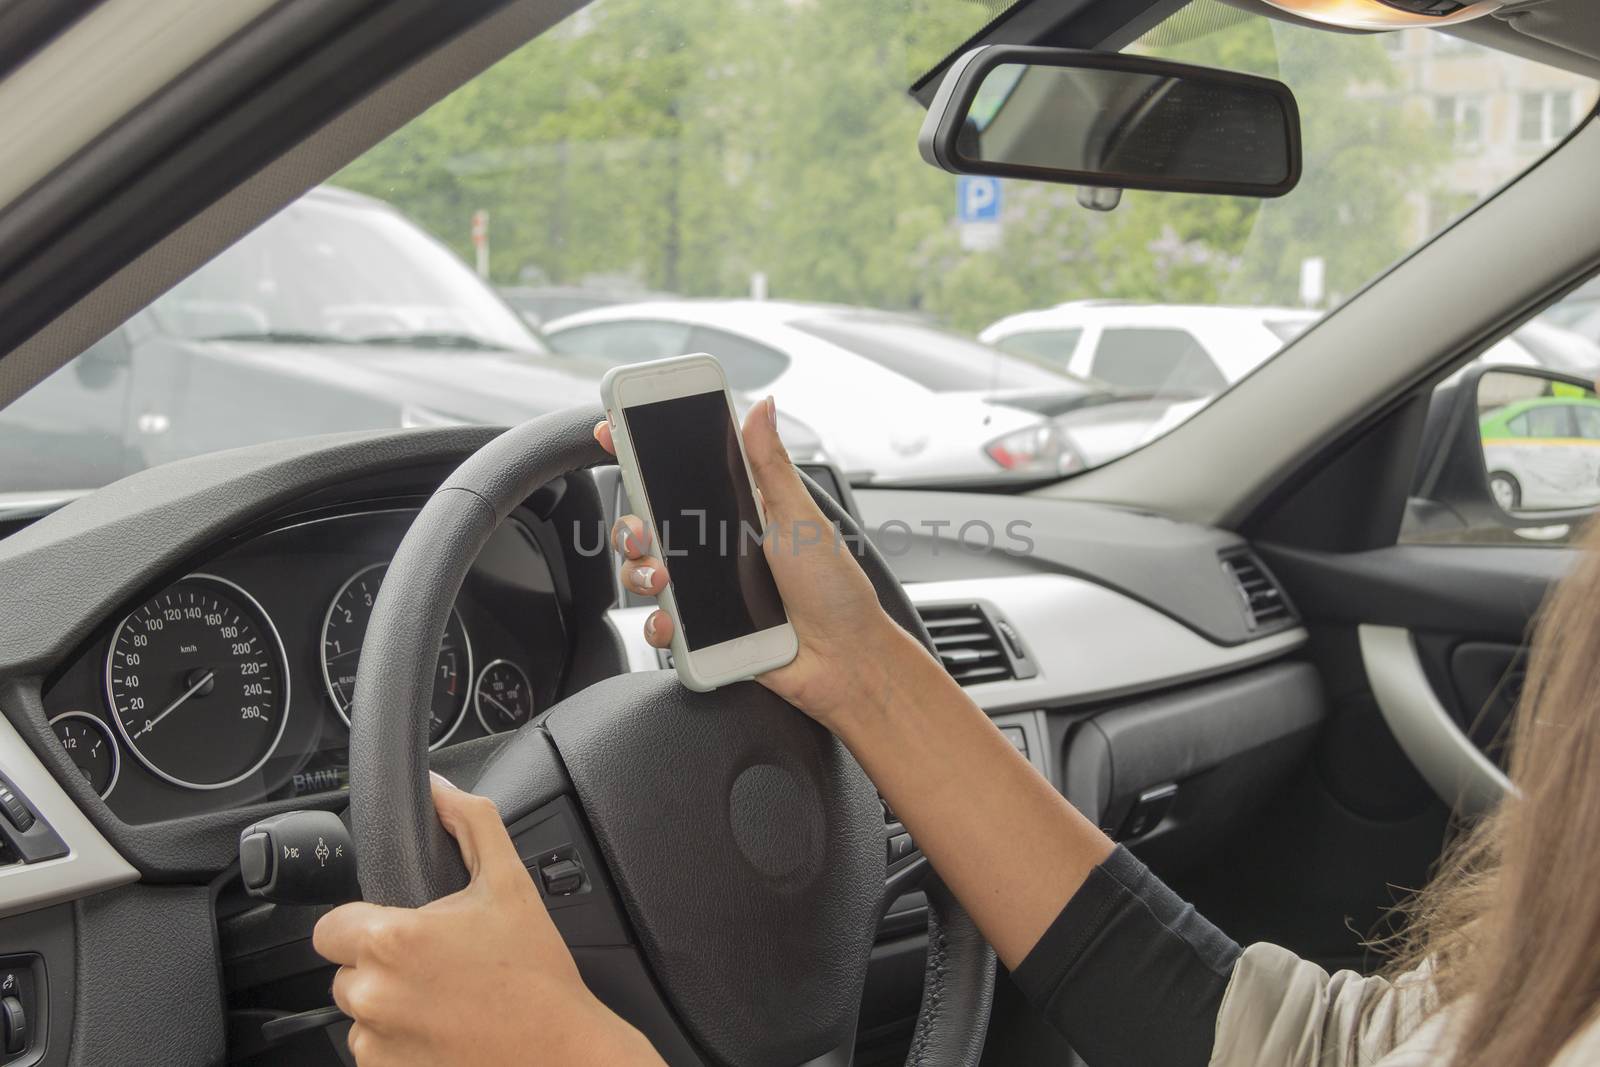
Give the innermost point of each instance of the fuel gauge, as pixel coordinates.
(88, 743)
(503, 697)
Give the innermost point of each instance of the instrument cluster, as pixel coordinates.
(235, 682)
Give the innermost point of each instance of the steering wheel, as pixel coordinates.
(746, 845)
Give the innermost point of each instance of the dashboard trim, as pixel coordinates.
(1122, 646)
(91, 863)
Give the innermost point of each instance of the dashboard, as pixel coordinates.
(177, 661)
(234, 682)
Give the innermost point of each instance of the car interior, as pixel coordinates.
(1271, 648)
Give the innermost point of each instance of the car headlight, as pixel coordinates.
(1038, 449)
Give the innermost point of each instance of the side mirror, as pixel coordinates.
(98, 365)
(1111, 120)
(1514, 448)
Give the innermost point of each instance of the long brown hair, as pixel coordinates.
(1510, 926)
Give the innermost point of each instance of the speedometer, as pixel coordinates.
(198, 683)
(345, 628)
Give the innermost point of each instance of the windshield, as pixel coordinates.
(334, 268)
(725, 153)
(933, 358)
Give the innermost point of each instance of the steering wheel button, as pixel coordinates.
(900, 846)
(561, 878)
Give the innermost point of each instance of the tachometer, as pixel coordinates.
(198, 683)
(345, 627)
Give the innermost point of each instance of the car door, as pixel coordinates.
(73, 424)
(1420, 595)
(1586, 417)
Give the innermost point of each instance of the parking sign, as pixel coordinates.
(977, 199)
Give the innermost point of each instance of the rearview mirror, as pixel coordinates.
(1113, 120)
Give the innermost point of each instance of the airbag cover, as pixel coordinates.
(747, 846)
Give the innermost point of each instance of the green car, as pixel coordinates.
(1543, 453)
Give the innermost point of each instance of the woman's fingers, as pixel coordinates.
(629, 537)
(474, 822)
(658, 629)
(342, 935)
(644, 576)
(602, 433)
(783, 495)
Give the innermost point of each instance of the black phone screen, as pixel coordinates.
(687, 449)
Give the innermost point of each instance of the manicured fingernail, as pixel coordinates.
(650, 625)
(643, 577)
(441, 779)
(772, 413)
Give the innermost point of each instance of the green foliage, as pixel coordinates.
(685, 146)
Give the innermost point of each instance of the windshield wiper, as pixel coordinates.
(431, 340)
(280, 337)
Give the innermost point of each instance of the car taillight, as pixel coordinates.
(1034, 450)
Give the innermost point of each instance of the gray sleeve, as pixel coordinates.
(1282, 1011)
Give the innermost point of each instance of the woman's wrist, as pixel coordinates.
(887, 667)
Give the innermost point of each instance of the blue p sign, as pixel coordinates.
(977, 199)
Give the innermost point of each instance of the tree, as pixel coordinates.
(686, 146)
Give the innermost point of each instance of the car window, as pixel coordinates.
(343, 268)
(1155, 360)
(1049, 346)
(1538, 447)
(739, 151)
(933, 358)
(749, 365)
(1553, 420)
(623, 342)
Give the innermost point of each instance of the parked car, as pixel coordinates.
(1578, 311)
(539, 304)
(1170, 349)
(1543, 453)
(336, 314)
(921, 401)
(1540, 343)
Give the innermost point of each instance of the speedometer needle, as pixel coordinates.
(172, 707)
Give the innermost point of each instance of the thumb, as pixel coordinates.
(782, 492)
(474, 822)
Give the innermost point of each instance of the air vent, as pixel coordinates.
(967, 643)
(1265, 606)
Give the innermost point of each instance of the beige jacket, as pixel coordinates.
(1280, 1011)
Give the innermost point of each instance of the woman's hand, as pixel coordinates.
(478, 977)
(851, 652)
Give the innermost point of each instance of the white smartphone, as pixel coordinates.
(684, 467)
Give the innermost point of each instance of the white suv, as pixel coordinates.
(1166, 349)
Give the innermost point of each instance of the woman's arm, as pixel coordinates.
(1116, 961)
(1006, 843)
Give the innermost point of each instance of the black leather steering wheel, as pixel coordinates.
(744, 842)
